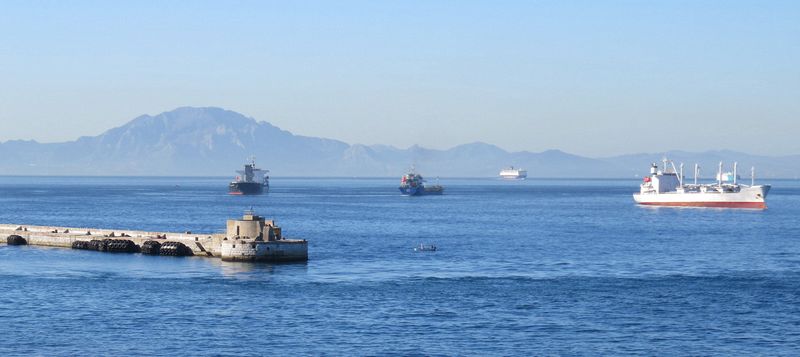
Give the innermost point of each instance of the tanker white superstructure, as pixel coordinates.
(513, 174)
(666, 187)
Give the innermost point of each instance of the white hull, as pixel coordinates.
(513, 174)
(745, 197)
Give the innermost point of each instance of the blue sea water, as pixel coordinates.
(536, 267)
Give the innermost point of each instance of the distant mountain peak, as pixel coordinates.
(478, 144)
(203, 114)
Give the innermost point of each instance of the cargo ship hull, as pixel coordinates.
(245, 188)
(746, 197)
(415, 191)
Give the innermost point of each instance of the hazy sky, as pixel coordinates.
(589, 77)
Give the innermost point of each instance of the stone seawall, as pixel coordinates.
(203, 245)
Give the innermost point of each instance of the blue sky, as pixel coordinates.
(589, 77)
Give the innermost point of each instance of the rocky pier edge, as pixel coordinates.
(250, 239)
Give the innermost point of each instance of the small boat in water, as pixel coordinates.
(412, 184)
(251, 181)
(425, 248)
(667, 187)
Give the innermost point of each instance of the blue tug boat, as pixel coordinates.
(412, 184)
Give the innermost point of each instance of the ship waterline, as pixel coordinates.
(709, 204)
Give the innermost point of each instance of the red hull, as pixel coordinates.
(238, 193)
(760, 205)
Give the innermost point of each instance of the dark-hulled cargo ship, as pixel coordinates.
(251, 181)
(412, 184)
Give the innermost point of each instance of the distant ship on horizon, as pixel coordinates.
(251, 180)
(412, 184)
(512, 173)
(667, 187)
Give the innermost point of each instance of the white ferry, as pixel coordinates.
(667, 187)
(513, 174)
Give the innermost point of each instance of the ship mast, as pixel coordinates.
(734, 171)
(696, 171)
(674, 171)
(719, 175)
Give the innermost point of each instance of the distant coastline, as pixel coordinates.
(210, 141)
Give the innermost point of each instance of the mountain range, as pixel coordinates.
(210, 141)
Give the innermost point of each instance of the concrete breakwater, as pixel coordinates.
(252, 238)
